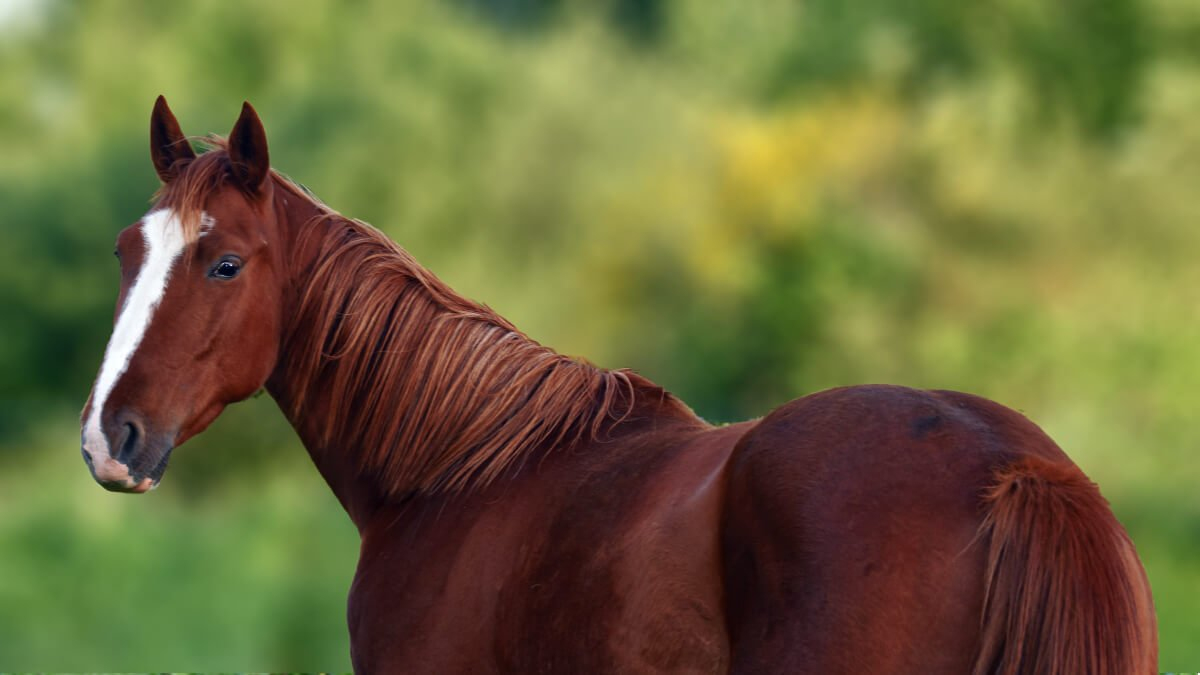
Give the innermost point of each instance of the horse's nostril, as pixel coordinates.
(87, 457)
(130, 443)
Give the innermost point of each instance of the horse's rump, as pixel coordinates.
(857, 537)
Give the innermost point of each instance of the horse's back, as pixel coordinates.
(850, 528)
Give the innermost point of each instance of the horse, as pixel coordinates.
(521, 511)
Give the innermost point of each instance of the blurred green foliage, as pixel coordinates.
(745, 201)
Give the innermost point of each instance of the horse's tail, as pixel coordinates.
(1065, 590)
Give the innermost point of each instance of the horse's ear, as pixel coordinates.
(248, 150)
(169, 148)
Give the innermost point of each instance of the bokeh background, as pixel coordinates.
(744, 201)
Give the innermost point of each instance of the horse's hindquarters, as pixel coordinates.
(849, 535)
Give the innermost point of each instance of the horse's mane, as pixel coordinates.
(437, 392)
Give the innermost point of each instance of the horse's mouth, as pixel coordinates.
(150, 480)
(132, 486)
(145, 485)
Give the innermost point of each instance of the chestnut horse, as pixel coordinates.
(524, 512)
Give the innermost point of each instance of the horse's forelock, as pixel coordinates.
(188, 194)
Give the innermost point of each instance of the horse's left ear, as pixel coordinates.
(248, 150)
(169, 148)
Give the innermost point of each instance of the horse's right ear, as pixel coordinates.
(169, 148)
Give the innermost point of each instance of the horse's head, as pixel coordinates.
(199, 309)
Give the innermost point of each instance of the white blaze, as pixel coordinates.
(163, 234)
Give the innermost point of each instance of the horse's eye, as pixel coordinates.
(226, 268)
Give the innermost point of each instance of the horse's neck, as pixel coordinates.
(594, 397)
(299, 256)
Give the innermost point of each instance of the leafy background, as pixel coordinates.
(744, 201)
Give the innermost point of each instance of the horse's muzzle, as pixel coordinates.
(115, 476)
(139, 459)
